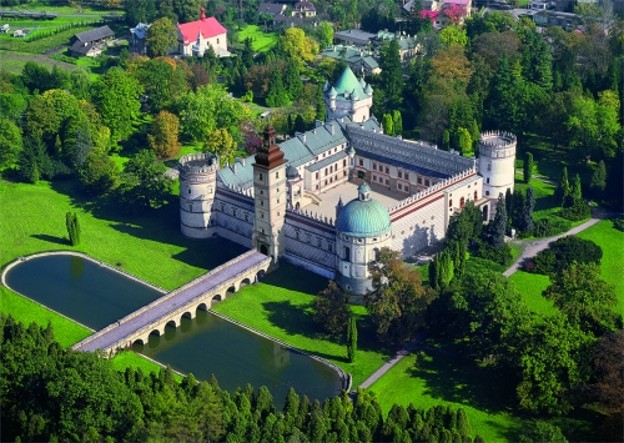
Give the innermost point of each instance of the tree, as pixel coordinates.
(99, 173)
(352, 338)
(392, 78)
(397, 122)
(543, 431)
(464, 141)
(528, 167)
(387, 124)
(10, 144)
(163, 139)
(561, 253)
(161, 37)
(498, 226)
(526, 219)
(325, 32)
(563, 187)
(144, 184)
(584, 298)
(331, 310)
(398, 300)
(453, 35)
(599, 179)
(221, 143)
(164, 80)
(139, 11)
(297, 46)
(116, 96)
(277, 95)
(73, 228)
(441, 270)
(292, 80)
(554, 365)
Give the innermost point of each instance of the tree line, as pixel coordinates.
(50, 393)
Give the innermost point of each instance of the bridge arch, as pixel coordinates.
(216, 299)
(201, 307)
(188, 315)
(244, 282)
(172, 323)
(260, 275)
(232, 289)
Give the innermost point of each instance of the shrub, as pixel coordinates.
(563, 252)
(546, 227)
(578, 211)
(618, 224)
(497, 254)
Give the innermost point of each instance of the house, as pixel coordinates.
(408, 46)
(272, 9)
(85, 49)
(20, 33)
(354, 37)
(5, 29)
(360, 60)
(95, 36)
(138, 34)
(283, 21)
(194, 38)
(442, 12)
(304, 9)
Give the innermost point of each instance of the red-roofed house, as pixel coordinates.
(196, 37)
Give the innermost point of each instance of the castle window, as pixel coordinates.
(489, 168)
(400, 186)
(260, 176)
(450, 203)
(316, 176)
(387, 182)
(406, 176)
(400, 174)
(462, 202)
(277, 175)
(487, 180)
(487, 192)
(420, 180)
(475, 195)
(344, 173)
(387, 170)
(361, 162)
(374, 166)
(344, 163)
(346, 253)
(189, 190)
(427, 183)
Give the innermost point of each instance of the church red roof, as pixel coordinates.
(209, 27)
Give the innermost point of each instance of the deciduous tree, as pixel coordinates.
(163, 137)
(161, 37)
(331, 310)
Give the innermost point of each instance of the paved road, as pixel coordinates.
(164, 305)
(532, 248)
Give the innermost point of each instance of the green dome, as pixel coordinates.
(363, 217)
(349, 84)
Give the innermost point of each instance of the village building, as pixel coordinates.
(287, 200)
(91, 43)
(361, 61)
(194, 38)
(304, 9)
(138, 34)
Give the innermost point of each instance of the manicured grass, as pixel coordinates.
(280, 306)
(149, 245)
(438, 377)
(66, 331)
(261, 41)
(612, 264)
(130, 359)
(530, 287)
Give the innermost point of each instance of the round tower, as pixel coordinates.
(497, 157)
(363, 227)
(198, 184)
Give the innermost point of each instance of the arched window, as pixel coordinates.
(347, 253)
(462, 202)
(475, 195)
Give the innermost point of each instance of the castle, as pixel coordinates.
(287, 200)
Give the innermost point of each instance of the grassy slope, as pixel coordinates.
(437, 377)
(280, 306)
(531, 286)
(612, 243)
(261, 41)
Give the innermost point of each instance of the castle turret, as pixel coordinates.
(294, 184)
(497, 157)
(270, 197)
(198, 184)
(349, 97)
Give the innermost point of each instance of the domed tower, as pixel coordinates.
(294, 184)
(349, 97)
(269, 180)
(362, 229)
(198, 184)
(497, 157)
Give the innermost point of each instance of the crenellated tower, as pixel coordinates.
(269, 181)
(497, 157)
(198, 184)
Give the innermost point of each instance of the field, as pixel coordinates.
(260, 41)
(530, 287)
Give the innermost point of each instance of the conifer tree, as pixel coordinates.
(73, 228)
(528, 167)
(526, 224)
(352, 339)
(563, 188)
(397, 122)
(387, 123)
(498, 226)
(599, 179)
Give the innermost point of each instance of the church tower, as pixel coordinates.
(269, 178)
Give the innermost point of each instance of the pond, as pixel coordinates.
(97, 296)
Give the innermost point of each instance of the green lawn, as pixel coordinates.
(612, 265)
(280, 307)
(261, 41)
(43, 44)
(530, 287)
(14, 61)
(436, 377)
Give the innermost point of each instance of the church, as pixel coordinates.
(330, 198)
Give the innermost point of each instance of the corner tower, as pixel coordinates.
(497, 157)
(198, 184)
(363, 227)
(349, 97)
(269, 181)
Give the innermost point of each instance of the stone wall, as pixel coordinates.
(311, 241)
(234, 216)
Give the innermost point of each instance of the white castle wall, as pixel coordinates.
(311, 240)
(234, 216)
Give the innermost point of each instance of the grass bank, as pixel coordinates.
(260, 41)
(280, 306)
(530, 287)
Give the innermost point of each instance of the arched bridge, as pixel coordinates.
(169, 309)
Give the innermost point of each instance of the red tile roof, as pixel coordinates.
(209, 27)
